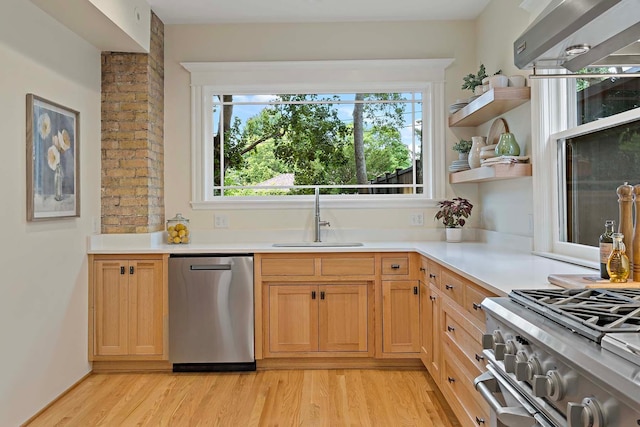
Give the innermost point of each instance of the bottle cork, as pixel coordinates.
(625, 224)
(635, 269)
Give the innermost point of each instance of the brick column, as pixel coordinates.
(133, 138)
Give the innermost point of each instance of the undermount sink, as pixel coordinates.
(317, 244)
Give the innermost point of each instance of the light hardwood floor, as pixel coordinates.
(264, 398)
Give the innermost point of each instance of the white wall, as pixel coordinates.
(506, 206)
(43, 308)
(273, 42)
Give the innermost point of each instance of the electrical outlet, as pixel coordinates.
(416, 219)
(221, 221)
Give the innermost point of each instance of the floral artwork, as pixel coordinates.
(52, 163)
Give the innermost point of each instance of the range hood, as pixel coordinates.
(575, 34)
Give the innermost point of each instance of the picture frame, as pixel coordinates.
(53, 165)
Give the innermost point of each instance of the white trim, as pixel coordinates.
(412, 75)
(390, 201)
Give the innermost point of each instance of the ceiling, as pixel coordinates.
(292, 11)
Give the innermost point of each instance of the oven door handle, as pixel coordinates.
(487, 385)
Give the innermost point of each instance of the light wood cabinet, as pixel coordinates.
(324, 318)
(401, 317)
(128, 308)
(430, 341)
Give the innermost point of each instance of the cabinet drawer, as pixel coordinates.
(453, 286)
(458, 385)
(348, 266)
(466, 337)
(472, 298)
(435, 271)
(395, 265)
(288, 267)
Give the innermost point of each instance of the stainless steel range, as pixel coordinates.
(565, 357)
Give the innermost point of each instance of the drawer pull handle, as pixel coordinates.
(477, 306)
(451, 379)
(122, 269)
(131, 270)
(395, 266)
(479, 420)
(432, 298)
(313, 294)
(415, 290)
(432, 276)
(448, 287)
(422, 269)
(321, 294)
(479, 358)
(450, 328)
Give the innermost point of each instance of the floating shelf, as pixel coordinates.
(491, 173)
(490, 104)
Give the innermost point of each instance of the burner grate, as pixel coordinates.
(588, 312)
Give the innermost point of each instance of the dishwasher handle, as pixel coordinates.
(203, 267)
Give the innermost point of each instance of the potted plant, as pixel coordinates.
(471, 81)
(462, 147)
(453, 214)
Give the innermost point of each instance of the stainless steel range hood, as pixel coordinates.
(609, 31)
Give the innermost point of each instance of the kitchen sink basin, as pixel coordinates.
(317, 245)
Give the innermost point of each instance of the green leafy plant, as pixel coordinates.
(462, 146)
(473, 80)
(453, 212)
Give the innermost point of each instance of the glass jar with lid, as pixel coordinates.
(178, 230)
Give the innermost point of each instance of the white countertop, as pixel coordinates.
(498, 268)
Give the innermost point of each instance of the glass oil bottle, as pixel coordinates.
(618, 263)
(606, 246)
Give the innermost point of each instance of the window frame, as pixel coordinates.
(552, 124)
(369, 76)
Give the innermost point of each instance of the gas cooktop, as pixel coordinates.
(591, 313)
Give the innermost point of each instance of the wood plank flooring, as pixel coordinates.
(264, 398)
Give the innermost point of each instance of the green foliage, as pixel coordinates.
(462, 146)
(473, 80)
(310, 141)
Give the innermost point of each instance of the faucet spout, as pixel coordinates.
(317, 221)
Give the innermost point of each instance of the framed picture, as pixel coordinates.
(53, 184)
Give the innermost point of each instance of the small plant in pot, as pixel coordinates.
(473, 81)
(453, 213)
(462, 147)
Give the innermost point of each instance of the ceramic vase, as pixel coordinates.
(474, 154)
(507, 145)
(453, 235)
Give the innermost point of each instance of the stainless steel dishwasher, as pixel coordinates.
(211, 313)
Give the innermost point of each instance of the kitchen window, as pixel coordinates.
(593, 145)
(365, 132)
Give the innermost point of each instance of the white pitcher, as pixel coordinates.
(474, 155)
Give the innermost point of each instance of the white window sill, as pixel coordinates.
(306, 202)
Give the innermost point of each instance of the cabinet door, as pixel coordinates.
(293, 318)
(400, 316)
(436, 341)
(426, 334)
(145, 307)
(343, 317)
(111, 311)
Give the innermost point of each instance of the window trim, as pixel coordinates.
(423, 75)
(552, 123)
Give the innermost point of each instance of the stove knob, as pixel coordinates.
(585, 414)
(512, 348)
(527, 370)
(549, 385)
(499, 350)
(510, 363)
(487, 341)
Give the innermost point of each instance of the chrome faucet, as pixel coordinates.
(318, 222)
